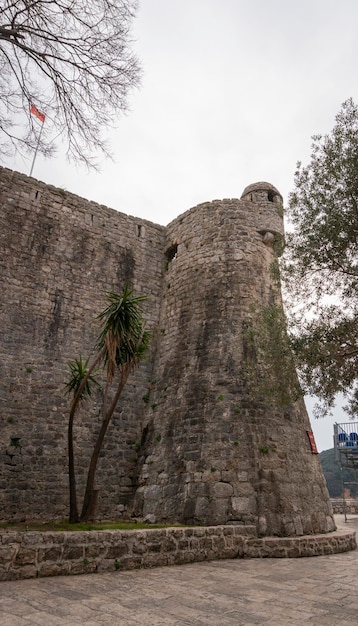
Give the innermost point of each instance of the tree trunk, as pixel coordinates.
(74, 517)
(89, 504)
(91, 511)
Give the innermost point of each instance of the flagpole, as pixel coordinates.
(37, 147)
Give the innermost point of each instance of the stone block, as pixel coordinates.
(222, 490)
(241, 505)
(120, 549)
(26, 556)
(52, 553)
(73, 552)
(7, 554)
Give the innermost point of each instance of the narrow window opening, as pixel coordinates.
(270, 196)
(37, 195)
(171, 252)
(139, 230)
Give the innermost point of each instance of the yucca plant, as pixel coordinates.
(78, 370)
(81, 386)
(121, 345)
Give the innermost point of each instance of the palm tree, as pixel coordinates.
(121, 345)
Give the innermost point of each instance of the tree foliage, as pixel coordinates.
(320, 265)
(78, 371)
(336, 476)
(122, 343)
(70, 58)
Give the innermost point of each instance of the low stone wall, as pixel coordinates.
(33, 554)
(344, 506)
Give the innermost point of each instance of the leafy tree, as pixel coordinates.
(121, 345)
(320, 267)
(72, 60)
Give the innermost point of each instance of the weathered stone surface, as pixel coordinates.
(345, 506)
(186, 443)
(206, 435)
(25, 556)
(84, 553)
(59, 254)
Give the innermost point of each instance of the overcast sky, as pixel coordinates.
(232, 92)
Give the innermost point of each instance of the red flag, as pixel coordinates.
(312, 442)
(40, 116)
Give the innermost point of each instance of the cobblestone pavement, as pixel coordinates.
(319, 591)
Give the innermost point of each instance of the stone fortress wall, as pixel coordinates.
(59, 253)
(187, 443)
(215, 454)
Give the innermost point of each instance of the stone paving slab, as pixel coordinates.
(319, 591)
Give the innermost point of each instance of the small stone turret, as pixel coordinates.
(215, 453)
(262, 192)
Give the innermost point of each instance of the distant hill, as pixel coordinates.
(332, 472)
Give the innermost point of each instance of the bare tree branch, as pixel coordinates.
(73, 60)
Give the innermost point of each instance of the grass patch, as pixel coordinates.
(63, 525)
